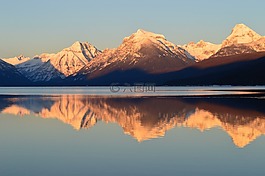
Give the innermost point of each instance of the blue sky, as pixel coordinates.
(31, 27)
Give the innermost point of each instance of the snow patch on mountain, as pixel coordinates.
(259, 45)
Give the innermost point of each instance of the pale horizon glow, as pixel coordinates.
(34, 27)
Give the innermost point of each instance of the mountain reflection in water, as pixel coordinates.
(147, 118)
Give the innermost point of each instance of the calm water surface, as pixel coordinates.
(91, 131)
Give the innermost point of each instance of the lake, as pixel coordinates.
(140, 130)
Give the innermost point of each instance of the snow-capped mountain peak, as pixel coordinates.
(144, 51)
(241, 40)
(9, 75)
(143, 40)
(59, 66)
(83, 47)
(241, 29)
(144, 34)
(77, 46)
(144, 43)
(201, 50)
(16, 60)
(71, 60)
(241, 34)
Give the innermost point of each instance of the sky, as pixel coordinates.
(32, 27)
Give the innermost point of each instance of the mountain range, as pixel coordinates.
(146, 57)
(147, 118)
